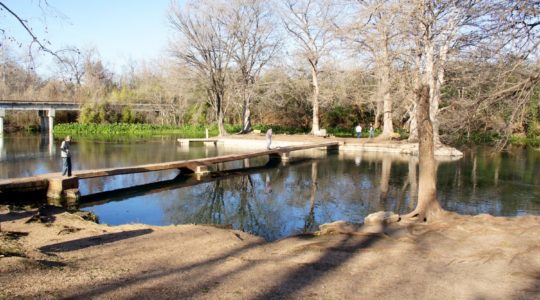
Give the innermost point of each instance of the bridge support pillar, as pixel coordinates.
(2, 116)
(199, 170)
(63, 189)
(282, 157)
(51, 115)
(43, 122)
(332, 149)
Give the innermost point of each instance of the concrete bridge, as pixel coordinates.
(55, 186)
(47, 109)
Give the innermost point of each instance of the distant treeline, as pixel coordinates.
(308, 65)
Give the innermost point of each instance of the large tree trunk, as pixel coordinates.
(413, 123)
(413, 126)
(220, 117)
(378, 111)
(315, 101)
(428, 206)
(432, 79)
(413, 181)
(246, 115)
(388, 128)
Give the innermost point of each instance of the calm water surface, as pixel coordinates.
(282, 200)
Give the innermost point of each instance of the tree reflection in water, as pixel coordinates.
(274, 202)
(304, 194)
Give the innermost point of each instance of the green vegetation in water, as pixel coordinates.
(135, 130)
(521, 140)
(116, 130)
(490, 138)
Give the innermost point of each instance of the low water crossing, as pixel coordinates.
(275, 202)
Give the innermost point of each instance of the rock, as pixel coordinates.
(86, 215)
(447, 151)
(337, 227)
(381, 217)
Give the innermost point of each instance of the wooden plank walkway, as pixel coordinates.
(57, 186)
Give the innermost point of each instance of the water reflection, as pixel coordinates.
(2, 148)
(284, 199)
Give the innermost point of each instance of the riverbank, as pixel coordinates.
(62, 255)
(376, 144)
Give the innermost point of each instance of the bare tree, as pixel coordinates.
(439, 28)
(206, 46)
(72, 65)
(255, 44)
(428, 205)
(375, 30)
(311, 24)
(42, 44)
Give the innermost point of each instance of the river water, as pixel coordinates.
(276, 201)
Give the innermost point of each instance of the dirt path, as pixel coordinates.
(461, 257)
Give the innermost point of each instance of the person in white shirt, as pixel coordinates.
(358, 130)
(268, 138)
(65, 153)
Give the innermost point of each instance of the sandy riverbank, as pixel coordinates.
(461, 257)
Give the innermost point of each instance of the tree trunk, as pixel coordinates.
(413, 181)
(388, 128)
(220, 117)
(315, 102)
(413, 126)
(246, 115)
(428, 206)
(379, 109)
(413, 122)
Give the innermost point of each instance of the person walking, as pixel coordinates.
(268, 138)
(358, 130)
(65, 153)
(371, 131)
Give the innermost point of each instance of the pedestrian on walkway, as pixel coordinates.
(358, 130)
(65, 153)
(268, 138)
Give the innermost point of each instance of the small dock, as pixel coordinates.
(66, 188)
(186, 142)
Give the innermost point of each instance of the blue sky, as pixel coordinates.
(121, 30)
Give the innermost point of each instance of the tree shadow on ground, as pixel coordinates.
(348, 246)
(15, 215)
(93, 241)
(113, 285)
(304, 275)
(332, 258)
